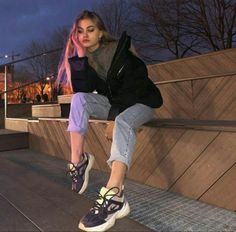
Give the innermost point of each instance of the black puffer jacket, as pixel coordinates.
(127, 80)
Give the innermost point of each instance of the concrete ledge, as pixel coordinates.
(49, 110)
(16, 124)
(11, 140)
(64, 99)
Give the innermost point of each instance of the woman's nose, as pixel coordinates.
(85, 34)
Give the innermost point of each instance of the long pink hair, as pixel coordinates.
(64, 74)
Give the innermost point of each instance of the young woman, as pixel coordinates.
(95, 61)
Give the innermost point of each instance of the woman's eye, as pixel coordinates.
(79, 31)
(90, 30)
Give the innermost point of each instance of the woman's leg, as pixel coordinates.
(111, 203)
(124, 139)
(77, 145)
(83, 105)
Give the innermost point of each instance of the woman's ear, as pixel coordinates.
(100, 35)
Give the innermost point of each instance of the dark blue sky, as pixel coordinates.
(22, 21)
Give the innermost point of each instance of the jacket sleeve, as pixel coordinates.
(84, 78)
(81, 82)
(133, 87)
(136, 87)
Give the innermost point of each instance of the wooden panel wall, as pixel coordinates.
(199, 164)
(210, 99)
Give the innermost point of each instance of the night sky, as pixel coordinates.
(22, 21)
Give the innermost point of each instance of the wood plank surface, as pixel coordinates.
(223, 193)
(202, 99)
(158, 148)
(217, 159)
(187, 160)
(180, 158)
(93, 146)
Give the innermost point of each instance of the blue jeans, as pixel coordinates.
(85, 105)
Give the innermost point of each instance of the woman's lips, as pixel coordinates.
(85, 40)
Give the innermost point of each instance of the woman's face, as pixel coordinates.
(88, 34)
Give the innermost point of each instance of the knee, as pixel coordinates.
(122, 119)
(78, 99)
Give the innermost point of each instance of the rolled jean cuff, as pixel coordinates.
(80, 130)
(121, 159)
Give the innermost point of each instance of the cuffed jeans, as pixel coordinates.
(85, 105)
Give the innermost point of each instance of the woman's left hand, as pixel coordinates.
(109, 130)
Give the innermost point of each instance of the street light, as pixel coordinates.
(12, 56)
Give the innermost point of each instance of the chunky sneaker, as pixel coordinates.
(80, 173)
(107, 208)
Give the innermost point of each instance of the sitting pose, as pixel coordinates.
(109, 82)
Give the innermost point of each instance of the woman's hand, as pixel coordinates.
(80, 49)
(109, 130)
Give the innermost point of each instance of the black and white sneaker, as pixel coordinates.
(107, 208)
(80, 173)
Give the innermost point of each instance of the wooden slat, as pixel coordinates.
(179, 160)
(215, 101)
(178, 104)
(230, 111)
(50, 137)
(208, 99)
(219, 156)
(93, 146)
(223, 193)
(99, 129)
(144, 137)
(158, 148)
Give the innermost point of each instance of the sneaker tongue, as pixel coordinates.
(103, 191)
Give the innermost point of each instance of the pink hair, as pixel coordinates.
(64, 73)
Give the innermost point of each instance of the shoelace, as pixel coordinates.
(73, 173)
(104, 201)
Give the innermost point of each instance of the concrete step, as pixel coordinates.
(42, 204)
(46, 110)
(44, 196)
(11, 140)
(64, 99)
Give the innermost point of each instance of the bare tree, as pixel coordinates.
(57, 39)
(164, 29)
(214, 21)
(39, 66)
(116, 14)
(46, 64)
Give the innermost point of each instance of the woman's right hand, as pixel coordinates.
(80, 49)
